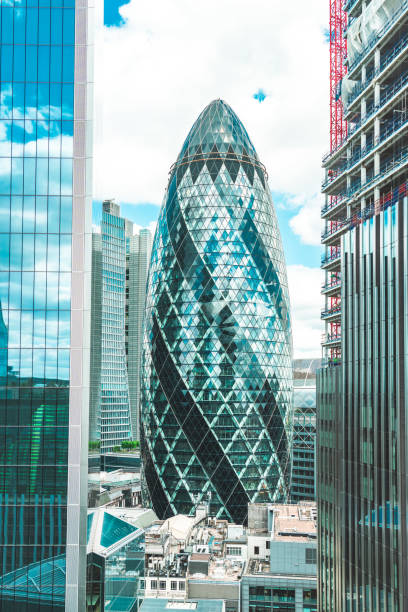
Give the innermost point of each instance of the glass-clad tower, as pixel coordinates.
(217, 369)
(137, 265)
(110, 405)
(120, 260)
(45, 223)
(361, 397)
(302, 484)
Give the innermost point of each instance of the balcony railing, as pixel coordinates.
(331, 286)
(391, 164)
(387, 131)
(331, 312)
(376, 36)
(388, 58)
(331, 339)
(336, 201)
(379, 205)
(336, 227)
(372, 42)
(330, 258)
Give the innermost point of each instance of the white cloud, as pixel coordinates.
(151, 226)
(306, 223)
(155, 74)
(304, 289)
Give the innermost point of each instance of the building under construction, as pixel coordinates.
(362, 448)
(366, 168)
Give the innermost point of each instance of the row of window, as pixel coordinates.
(161, 585)
(282, 595)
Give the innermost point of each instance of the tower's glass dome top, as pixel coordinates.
(216, 407)
(217, 127)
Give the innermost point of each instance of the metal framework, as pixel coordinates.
(338, 129)
(338, 52)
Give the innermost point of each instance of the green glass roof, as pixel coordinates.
(89, 526)
(114, 529)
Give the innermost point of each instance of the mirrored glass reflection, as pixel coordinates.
(36, 147)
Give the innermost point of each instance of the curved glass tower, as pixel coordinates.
(217, 371)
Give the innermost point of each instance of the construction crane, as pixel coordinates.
(338, 125)
(338, 52)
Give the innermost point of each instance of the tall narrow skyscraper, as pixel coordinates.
(138, 251)
(362, 424)
(302, 485)
(120, 262)
(217, 370)
(114, 391)
(45, 225)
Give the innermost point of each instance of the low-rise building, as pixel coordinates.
(269, 565)
(285, 579)
(117, 488)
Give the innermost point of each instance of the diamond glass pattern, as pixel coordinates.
(217, 377)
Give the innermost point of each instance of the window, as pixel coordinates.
(283, 595)
(162, 585)
(310, 600)
(173, 585)
(182, 585)
(142, 584)
(153, 585)
(310, 596)
(256, 550)
(311, 556)
(268, 544)
(234, 550)
(260, 593)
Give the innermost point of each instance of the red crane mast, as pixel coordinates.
(338, 52)
(338, 125)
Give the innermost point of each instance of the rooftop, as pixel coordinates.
(203, 605)
(294, 522)
(262, 567)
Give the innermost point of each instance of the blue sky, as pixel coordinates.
(295, 251)
(161, 62)
(111, 14)
(144, 213)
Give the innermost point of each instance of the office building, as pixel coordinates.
(282, 554)
(138, 249)
(45, 247)
(115, 558)
(362, 461)
(120, 265)
(304, 429)
(110, 410)
(217, 370)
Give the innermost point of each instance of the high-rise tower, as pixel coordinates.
(120, 261)
(304, 429)
(217, 370)
(362, 430)
(138, 251)
(109, 379)
(45, 209)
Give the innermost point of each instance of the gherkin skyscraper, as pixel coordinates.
(217, 377)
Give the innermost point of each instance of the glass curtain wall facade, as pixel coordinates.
(110, 410)
(329, 487)
(45, 221)
(120, 262)
(217, 371)
(139, 247)
(304, 429)
(370, 568)
(363, 548)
